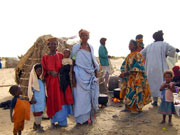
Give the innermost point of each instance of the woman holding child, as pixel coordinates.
(85, 82)
(58, 101)
(135, 88)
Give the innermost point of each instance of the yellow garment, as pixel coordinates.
(33, 83)
(67, 61)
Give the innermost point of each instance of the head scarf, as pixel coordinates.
(33, 82)
(139, 36)
(52, 39)
(102, 40)
(134, 43)
(158, 36)
(176, 70)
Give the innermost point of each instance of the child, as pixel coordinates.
(36, 94)
(65, 69)
(167, 104)
(21, 109)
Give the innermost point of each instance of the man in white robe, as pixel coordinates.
(155, 63)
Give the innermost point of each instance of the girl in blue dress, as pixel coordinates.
(37, 96)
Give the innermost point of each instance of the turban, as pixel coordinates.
(158, 36)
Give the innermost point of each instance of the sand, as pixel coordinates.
(109, 121)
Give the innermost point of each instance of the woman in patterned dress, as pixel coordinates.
(134, 88)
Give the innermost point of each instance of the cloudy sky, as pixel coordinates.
(23, 21)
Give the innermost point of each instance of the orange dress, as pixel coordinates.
(21, 113)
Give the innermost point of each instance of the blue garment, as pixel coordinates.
(0, 65)
(86, 92)
(167, 108)
(40, 98)
(103, 56)
(13, 102)
(61, 116)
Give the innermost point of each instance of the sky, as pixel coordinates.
(23, 21)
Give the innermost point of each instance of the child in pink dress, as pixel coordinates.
(167, 104)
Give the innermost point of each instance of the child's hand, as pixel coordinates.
(163, 86)
(167, 85)
(33, 101)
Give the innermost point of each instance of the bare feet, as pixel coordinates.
(162, 122)
(53, 126)
(170, 124)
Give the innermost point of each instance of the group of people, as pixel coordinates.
(145, 74)
(50, 85)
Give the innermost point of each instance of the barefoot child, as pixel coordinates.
(36, 94)
(21, 110)
(167, 104)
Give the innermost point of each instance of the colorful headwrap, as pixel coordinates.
(176, 70)
(52, 39)
(158, 36)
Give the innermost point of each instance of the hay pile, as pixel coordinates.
(34, 55)
(11, 62)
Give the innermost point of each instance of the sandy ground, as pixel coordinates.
(109, 121)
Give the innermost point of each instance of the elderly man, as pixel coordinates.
(155, 56)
